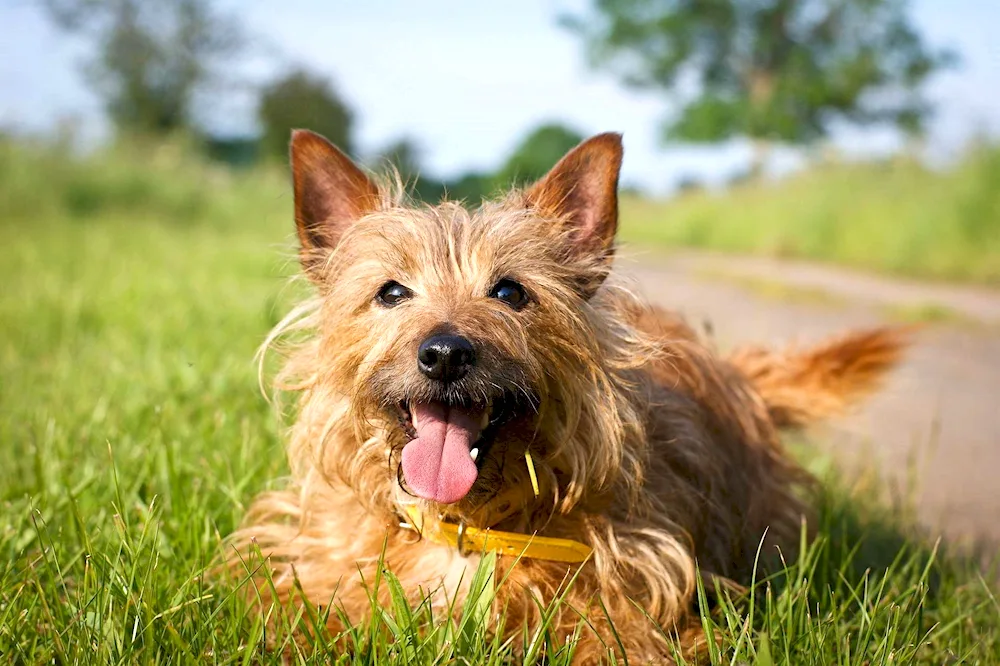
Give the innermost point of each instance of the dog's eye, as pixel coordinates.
(510, 293)
(392, 293)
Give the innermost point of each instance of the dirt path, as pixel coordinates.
(939, 415)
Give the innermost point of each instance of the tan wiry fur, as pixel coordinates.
(649, 447)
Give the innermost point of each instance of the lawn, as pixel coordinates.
(894, 217)
(135, 292)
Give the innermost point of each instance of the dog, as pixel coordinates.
(481, 381)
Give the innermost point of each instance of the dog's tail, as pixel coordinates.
(801, 387)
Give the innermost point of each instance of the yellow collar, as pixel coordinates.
(472, 539)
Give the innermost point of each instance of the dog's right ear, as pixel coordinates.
(331, 193)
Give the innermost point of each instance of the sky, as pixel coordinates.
(467, 80)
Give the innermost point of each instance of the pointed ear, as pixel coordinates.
(331, 193)
(582, 189)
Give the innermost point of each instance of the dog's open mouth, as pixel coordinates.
(439, 462)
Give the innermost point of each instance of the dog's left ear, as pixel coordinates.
(582, 190)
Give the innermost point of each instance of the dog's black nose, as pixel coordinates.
(445, 357)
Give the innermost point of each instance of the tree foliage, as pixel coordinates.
(302, 99)
(767, 69)
(151, 58)
(404, 155)
(537, 153)
(531, 159)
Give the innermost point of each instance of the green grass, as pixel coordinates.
(785, 292)
(133, 435)
(893, 217)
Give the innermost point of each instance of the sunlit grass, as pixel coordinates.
(894, 217)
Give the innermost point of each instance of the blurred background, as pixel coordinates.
(704, 92)
(793, 167)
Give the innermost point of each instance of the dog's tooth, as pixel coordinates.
(474, 453)
(413, 418)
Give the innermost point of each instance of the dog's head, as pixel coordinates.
(459, 339)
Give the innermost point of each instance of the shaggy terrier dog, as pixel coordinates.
(478, 381)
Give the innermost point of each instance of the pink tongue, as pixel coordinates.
(437, 464)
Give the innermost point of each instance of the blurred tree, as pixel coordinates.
(151, 57)
(236, 151)
(771, 70)
(404, 155)
(537, 153)
(471, 187)
(532, 159)
(301, 99)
